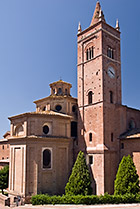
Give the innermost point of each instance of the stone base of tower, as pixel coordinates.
(103, 170)
(111, 159)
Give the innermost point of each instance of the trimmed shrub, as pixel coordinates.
(85, 200)
(127, 179)
(79, 182)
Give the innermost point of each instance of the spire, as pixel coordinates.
(98, 14)
(101, 15)
(79, 28)
(117, 25)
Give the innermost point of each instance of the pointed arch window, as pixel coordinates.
(90, 97)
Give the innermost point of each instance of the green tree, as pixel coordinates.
(4, 175)
(127, 179)
(79, 182)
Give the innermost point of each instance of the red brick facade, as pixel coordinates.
(105, 119)
(107, 130)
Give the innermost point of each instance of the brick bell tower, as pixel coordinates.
(99, 99)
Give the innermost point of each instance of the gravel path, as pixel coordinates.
(121, 206)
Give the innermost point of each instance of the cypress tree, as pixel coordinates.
(79, 182)
(127, 179)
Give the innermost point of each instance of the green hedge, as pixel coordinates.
(43, 199)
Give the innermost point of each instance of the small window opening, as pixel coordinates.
(66, 91)
(90, 97)
(74, 108)
(59, 91)
(90, 137)
(73, 129)
(45, 129)
(44, 108)
(111, 97)
(53, 91)
(87, 54)
(112, 137)
(46, 158)
(2, 158)
(110, 53)
(90, 159)
(132, 124)
(2, 146)
(122, 145)
(90, 53)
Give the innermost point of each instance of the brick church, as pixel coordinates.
(42, 146)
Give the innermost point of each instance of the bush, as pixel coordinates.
(4, 176)
(127, 179)
(79, 182)
(85, 200)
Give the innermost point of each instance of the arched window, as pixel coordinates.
(53, 91)
(89, 53)
(19, 130)
(45, 129)
(90, 97)
(111, 96)
(46, 158)
(132, 124)
(90, 137)
(59, 91)
(110, 52)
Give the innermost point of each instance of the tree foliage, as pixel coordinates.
(127, 179)
(79, 182)
(4, 175)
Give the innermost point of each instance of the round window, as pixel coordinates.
(58, 107)
(45, 129)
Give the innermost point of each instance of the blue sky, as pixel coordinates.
(38, 46)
